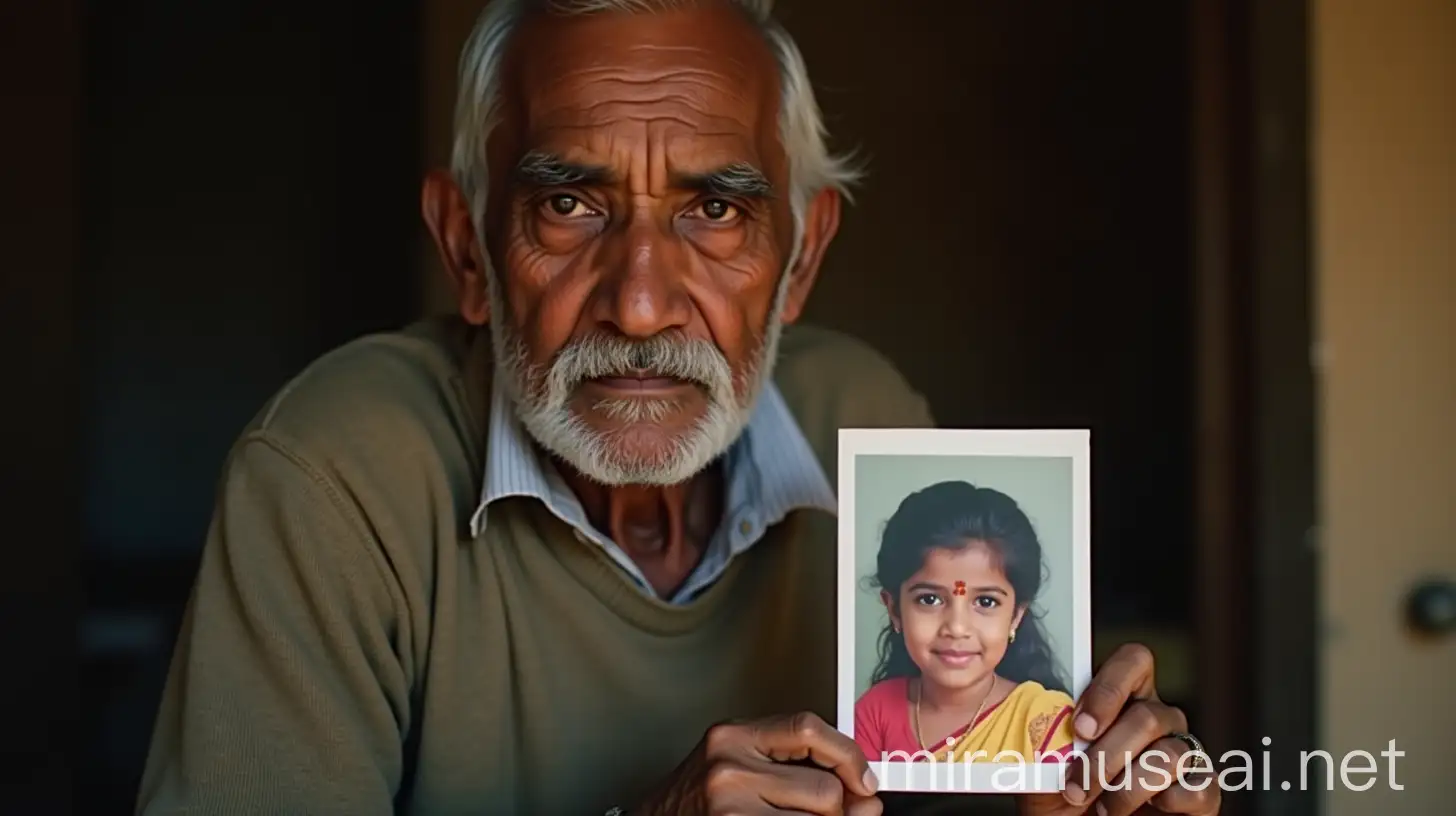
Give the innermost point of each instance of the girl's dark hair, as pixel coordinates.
(950, 515)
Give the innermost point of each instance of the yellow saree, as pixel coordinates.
(1032, 722)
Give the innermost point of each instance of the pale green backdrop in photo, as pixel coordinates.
(1041, 485)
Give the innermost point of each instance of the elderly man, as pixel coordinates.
(572, 550)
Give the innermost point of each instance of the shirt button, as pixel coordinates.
(745, 527)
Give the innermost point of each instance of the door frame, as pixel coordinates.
(1257, 574)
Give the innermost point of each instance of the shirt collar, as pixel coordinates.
(781, 465)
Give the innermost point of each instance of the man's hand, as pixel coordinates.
(744, 768)
(1129, 729)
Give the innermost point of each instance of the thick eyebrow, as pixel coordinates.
(738, 179)
(543, 169)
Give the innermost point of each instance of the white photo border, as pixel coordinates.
(1073, 444)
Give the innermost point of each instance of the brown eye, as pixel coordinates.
(567, 206)
(716, 209)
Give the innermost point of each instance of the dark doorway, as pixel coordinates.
(249, 202)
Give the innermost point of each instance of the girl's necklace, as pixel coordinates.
(950, 743)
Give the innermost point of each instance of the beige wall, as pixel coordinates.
(1384, 93)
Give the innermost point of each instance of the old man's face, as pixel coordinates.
(640, 237)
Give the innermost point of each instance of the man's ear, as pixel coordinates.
(447, 215)
(821, 223)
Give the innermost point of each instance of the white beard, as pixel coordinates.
(542, 397)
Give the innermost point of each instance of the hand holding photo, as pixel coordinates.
(964, 609)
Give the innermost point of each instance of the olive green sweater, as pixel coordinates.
(349, 649)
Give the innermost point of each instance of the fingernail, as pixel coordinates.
(871, 781)
(1086, 726)
(1074, 793)
(1101, 809)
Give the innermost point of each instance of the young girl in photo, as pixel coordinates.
(964, 670)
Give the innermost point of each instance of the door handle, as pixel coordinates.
(1431, 607)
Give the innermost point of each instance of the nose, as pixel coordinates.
(956, 620)
(642, 289)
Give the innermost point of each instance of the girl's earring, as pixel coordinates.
(1013, 636)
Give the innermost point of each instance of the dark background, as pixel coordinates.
(249, 201)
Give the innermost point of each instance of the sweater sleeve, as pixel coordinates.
(285, 694)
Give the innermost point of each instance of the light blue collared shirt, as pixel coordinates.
(770, 471)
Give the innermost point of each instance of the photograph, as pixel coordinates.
(964, 605)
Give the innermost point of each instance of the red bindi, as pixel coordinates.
(960, 587)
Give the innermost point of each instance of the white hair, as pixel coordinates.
(812, 167)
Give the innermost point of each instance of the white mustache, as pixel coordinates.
(693, 360)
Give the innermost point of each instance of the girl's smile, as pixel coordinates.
(956, 658)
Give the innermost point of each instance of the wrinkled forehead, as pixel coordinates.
(698, 86)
